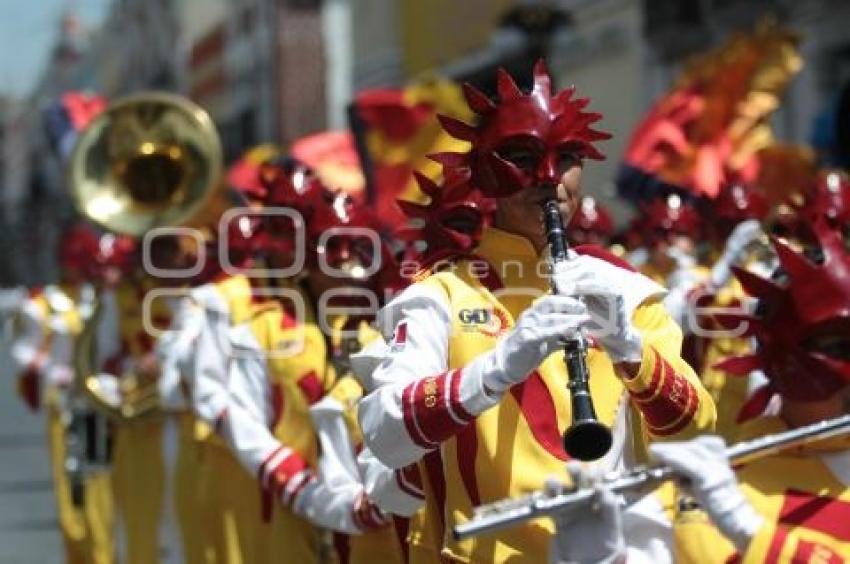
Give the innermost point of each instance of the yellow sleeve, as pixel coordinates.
(775, 543)
(347, 391)
(666, 391)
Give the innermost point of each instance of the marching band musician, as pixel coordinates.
(46, 330)
(671, 228)
(219, 518)
(181, 520)
(347, 274)
(179, 514)
(451, 222)
(279, 370)
(137, 350)
(153, 460)
(737, 215)
(470, 386)
(126, 376)
(790, 507)
(706, 138)
(138, 471)
(591, 224)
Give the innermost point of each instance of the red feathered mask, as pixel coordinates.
(803, 331)
(523, 139)
(663, 218)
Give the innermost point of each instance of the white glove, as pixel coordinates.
(589, 533)
(60, 375)
(744, 233)
(383, 485)
(683, 260)
(704, 463)
(600, 284)
(539, 331)
(109, 389)
(343, 508)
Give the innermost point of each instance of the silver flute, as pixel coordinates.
(511, 512)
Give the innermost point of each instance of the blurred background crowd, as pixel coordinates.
(280, 70)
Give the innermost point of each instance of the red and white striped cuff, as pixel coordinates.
(409, 481)
(283, 473)
(366, 515)
(432, 409)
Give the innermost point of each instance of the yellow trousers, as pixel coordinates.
(293, 539)
(137, 478)
(87, 530)
(193, 507)
(236, 533)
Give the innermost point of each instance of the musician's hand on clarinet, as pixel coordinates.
(589, 532)
(703, 462)
(599, 285)
(539, 331)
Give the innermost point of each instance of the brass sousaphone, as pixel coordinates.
(149, 160)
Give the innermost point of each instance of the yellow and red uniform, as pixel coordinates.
(279, 370)
(513, 447)
(385, 544)
(48, 325)
(226, 526)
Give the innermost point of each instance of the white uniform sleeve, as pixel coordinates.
(342, 508)
(28, 337)
(211, 359)
(57, 368)
(397, 491)
(245, 426)
(417, 325)
(336, 499)
(175, 349)
(366, 361)
(337, 463)
(248, 413)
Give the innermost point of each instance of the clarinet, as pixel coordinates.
(586, 438)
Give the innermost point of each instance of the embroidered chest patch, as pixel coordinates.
(486, 320)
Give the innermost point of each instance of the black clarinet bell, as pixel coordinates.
(587, 440)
